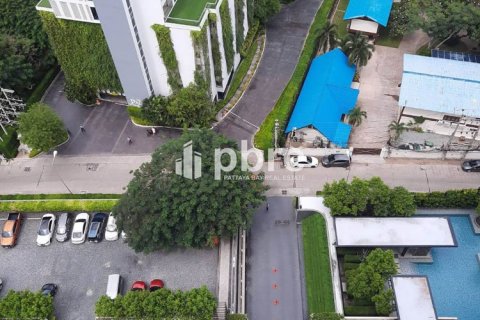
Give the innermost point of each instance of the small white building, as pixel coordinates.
(413, 298)
(366, 16)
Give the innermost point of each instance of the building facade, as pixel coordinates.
(145, 37)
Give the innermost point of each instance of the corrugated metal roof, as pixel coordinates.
(326, 95)
(376, 10)
(441, 85)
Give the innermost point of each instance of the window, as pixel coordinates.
(94, 13)
(451, 118)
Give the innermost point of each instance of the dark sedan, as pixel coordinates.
(97, 227)
(471, 166)
(49, 289)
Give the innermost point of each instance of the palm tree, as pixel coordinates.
(358, 49)
(328, 37)
(397, 127)
(356, 115)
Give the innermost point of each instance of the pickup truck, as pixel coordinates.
(11, 230)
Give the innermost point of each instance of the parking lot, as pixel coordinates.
(81, 271)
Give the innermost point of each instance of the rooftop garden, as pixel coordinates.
(189, 12)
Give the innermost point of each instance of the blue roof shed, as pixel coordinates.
(326, 95)
(375, 10)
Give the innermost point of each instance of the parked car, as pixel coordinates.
(303, 162)
(11, 230)
(471, 166)
(1, 285)
(80, 227)
(97, 227)
(111, 231)
(156, 284)
(114, 285)
(63, 227)
(49, 289)
(139, 286)
(46, 229)
(336, 160)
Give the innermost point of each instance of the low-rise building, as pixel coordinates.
(366, 15)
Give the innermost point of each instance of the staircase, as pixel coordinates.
(221, 312)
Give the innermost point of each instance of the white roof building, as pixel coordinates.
(413, 298)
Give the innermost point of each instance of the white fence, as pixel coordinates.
(434, 155)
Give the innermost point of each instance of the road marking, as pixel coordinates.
(246, 121)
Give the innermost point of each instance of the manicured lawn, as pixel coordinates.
(342, 5)
(284, 105)
(317, 265)
(338, 18)
(135, 114)
(57, 205)
(188, 10)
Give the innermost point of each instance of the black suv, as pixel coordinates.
(336, 160)
(97, 227)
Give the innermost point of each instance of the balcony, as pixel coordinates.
(189, 12)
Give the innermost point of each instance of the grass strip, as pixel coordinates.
(317, 265)
(57, 196)
(284, 105)
(135, 114)
(58, 205)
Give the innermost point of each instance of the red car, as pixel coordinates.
(139, 286)
(156, 284)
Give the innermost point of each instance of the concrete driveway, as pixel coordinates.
(379, 91)
(107, 127)
(286, 34)
(274, 281)
(81, 271)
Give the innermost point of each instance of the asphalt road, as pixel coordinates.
(286, 34)
(81, 271)
(274, 282)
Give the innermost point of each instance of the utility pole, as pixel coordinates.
(451, 138)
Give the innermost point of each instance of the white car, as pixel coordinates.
(46, 229)
(303, 162)
(111, 232)
(80, 227)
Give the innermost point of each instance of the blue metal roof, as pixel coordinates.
(376, 10)
(326, 95)
(441, 85)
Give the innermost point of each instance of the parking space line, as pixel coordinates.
(246, 121)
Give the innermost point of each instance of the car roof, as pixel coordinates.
(78, 227)
(63, 217)
(340, 156)
(8, 226)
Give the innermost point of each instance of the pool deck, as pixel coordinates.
(453, 212)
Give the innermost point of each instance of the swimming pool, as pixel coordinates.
(454, 275)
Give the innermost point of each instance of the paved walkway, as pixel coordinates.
(380, 91)
(273, 266)
(286, 34)
(107, 127)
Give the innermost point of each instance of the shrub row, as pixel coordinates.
(227, 34)
(360, 311)
(283, 106)
(168, 55)
(57, 205)
(250, 38)
(43, 85)
(237, 316)
(466, 199)
(43, 196)
(10, 143)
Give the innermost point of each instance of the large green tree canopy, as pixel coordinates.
(161, 209)
(26, 305)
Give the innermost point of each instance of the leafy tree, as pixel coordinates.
(358, 49)
(198, 304)
(17, 63)
(41, 128)
(367, 197)
(26, 305)
(161, 209)
(444, 20)
(326, 316)
(154, 109)
(397, 128)
(400, 23)
(328, 38)
(369, 278)
(383, 302)
(265, 9)
(346, 199)
(356, 116)
(402, 202)
(190, 107)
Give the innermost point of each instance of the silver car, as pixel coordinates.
(63, 227)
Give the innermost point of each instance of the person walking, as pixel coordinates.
(82, 128)
(129, 140)
(266, 208)
(154, 131)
